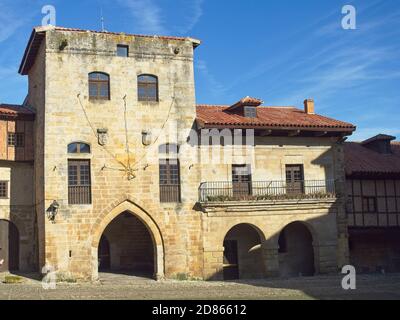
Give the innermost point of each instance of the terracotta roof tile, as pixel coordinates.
(213, 115)
(12, 110)
(361, 160)
(247, 101)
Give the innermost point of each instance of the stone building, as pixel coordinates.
(373, 184)
(120, 171)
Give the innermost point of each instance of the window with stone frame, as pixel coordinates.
(3, 189)
(170, 185)
(79, 148)
(122, 50)
(147, 88)
(79, 182)
(99, 86)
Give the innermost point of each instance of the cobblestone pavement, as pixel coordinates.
(127, 287)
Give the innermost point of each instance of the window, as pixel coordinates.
(122, 50)
(250, 112)
(170, 186)
(369, 204)
(79, 182)
(241, 180)
(15, 139)
(78, 147)
(99, 86)
(3, 189)
(147, 88)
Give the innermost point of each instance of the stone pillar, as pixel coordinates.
(271, 260)
(343, 255)
(214, 263)
(325, 257)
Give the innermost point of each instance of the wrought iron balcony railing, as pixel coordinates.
(223, 191)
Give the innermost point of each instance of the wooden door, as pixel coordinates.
(241, 181)
(294, 179)
(9, 246)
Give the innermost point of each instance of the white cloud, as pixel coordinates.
(195, 13)
(148, 15)
(9, 22)
(150, 18)
(215, 87)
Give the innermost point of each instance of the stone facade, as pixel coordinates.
(187, 237)
(18, 209)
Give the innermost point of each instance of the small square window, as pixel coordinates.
(15, 139)
(3, 189)
(122, 50)
(250, 112)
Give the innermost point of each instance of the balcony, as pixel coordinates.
(225, 191)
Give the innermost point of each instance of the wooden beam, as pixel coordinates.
(266, 133)
(321, 134)
(294, 133)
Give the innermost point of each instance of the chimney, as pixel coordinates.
(309, 106)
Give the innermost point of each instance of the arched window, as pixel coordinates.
(99, 86)
(147, 88)
(78, 147)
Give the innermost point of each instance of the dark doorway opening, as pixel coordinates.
(296, 251)
(126, 247)
(104, 254)
(242, 254)
(9, 246)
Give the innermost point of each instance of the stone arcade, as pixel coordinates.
(104, 133)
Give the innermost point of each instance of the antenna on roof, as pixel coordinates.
(102, 20)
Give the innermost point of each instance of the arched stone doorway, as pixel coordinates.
(126, 247)
(152, 242)
(9, 246)
(243, 257)
(296, 251)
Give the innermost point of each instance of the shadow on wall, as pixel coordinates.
(18, 230)
(302, 247)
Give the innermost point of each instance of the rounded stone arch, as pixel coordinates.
(235, 224)
(309, 226)
(155, 233)
(299, 255)
(243, 257)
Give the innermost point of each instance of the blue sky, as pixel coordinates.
(280, 51)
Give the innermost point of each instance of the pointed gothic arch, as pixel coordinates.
(146, 219)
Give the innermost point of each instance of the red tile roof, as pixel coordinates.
(247, 101)
(12, 110)
(268, 117)
(360, 160)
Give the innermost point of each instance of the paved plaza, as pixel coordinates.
(115, 287)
